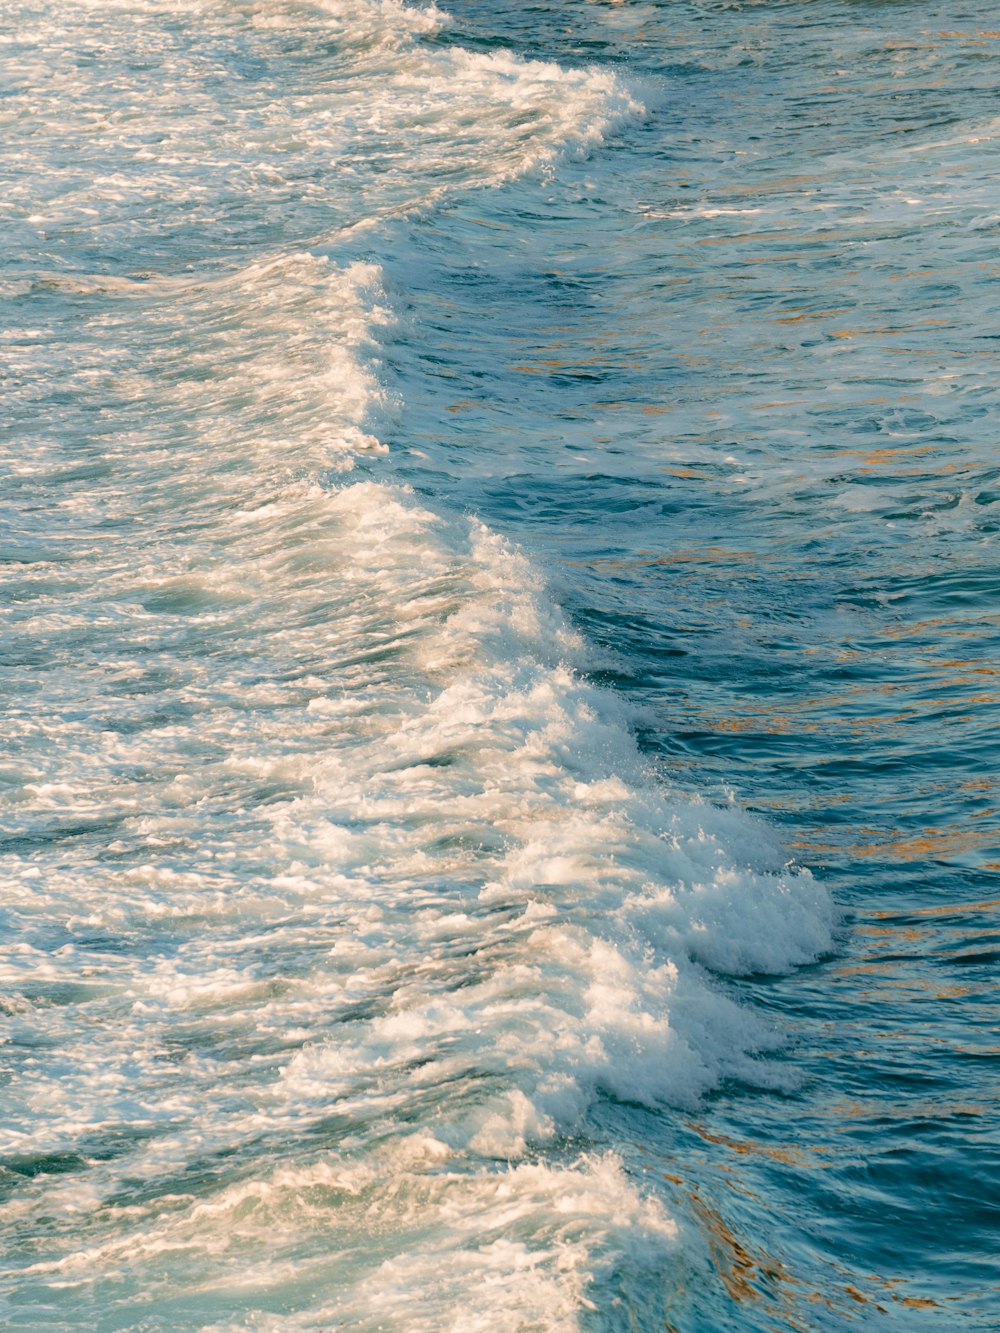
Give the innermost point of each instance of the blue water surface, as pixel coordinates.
(733, 383)
(728, 379)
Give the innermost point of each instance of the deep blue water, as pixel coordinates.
(361, 972)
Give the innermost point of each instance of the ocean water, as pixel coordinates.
(499, 592)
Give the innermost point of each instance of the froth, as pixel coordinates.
(352, 116)
(414, 873)
(338, 895)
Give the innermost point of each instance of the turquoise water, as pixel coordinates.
(500, 644)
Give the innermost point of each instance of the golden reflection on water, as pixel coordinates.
(935, 844)
(749, 1273)
(752, 1276)
(776, 1152)
(749, 1276)
(929, 1108)
(947, 909)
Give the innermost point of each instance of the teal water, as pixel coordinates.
(472, 529)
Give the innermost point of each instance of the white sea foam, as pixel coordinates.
(337, 896)
(413, 873)
(358, 119)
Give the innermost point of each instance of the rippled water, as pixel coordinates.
(484, 499)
